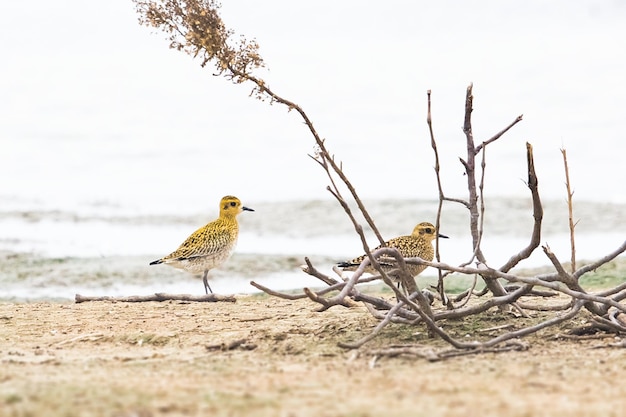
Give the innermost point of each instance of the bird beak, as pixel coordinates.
(443, 236)
(246, 209)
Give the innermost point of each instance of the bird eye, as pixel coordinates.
(428, 230)
(233, 204)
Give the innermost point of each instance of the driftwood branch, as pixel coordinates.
(209, 298)
(434, 355)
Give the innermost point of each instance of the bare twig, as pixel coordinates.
(278, 294)
(595, 265)
(377, 329)
(499, 134)
(541, 307)
(311, 270)
(570, 209)
(533, 329)
(469, 292)
(440, 282)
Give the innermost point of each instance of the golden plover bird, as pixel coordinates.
(209, 246)
(419, 244)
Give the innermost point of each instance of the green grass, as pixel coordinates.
(609, 275)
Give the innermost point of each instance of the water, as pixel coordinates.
(56, 254)
(114, 148)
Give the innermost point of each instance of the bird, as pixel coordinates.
(209, 246)
(418, 244)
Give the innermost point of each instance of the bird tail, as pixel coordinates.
(346, 264)
(158, 261)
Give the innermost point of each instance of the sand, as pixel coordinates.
(264, 356)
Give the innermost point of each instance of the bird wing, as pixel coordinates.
(198, 246)
(383, 260)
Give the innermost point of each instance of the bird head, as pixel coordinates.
(427, 231)
(231, 206)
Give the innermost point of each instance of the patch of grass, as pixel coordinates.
(398, 333)
(454, 284)
(13, 399)
(607, 276)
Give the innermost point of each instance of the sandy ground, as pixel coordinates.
(264, 356)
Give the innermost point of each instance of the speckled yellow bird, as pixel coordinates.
(418, 244)
(209, 246)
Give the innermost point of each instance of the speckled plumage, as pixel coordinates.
(209, 246)
(418, 244)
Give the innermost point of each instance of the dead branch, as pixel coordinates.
(532, 293)
(440, 283)
(499, 134)
(609, 325)
(564, 277)
(605, 259)
(278, 294)
(388, 317)
(311, 270)
(470, 171)
(494, 328)
(287, 296)
(466, 311)
(616, 290)
(570, 209)
(379, 304)
(539, 280)
(465, 293)
(468, 294)
(539, 307)
(434, 355)
(535, 238)
(381, 315)
(533, 329)
(211, 298)
(570, 280)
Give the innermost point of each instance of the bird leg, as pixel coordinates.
(207, 287)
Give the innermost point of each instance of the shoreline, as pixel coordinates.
(28, 279)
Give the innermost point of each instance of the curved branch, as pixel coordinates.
(535, 238)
